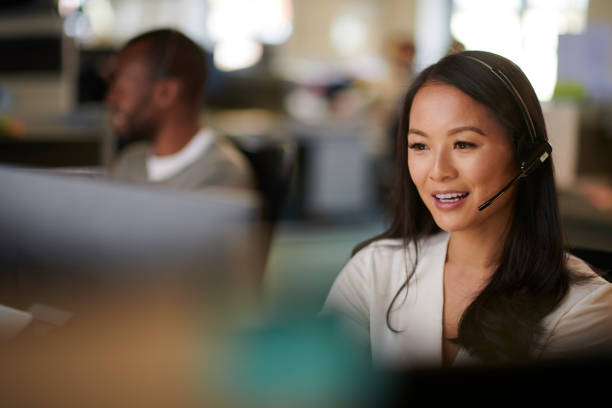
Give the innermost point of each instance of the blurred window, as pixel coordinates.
(525, 31)
(234, 30)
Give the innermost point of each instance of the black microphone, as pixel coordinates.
(537, 157)
(502, 191)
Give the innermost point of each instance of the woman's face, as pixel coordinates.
(459, 156)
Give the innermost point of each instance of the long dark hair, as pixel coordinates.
(503, 322)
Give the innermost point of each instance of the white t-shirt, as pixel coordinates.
(366, 286)
(163, 167)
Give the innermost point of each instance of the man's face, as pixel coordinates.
(129, 98)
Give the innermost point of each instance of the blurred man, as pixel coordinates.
(155, 98)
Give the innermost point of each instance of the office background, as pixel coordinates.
(325, 75)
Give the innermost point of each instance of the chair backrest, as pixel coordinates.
(598, 258)
(273, 162)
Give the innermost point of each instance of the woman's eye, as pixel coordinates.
(417, 146)
(464, 145)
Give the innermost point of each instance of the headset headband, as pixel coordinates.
(515, 94)
(541, 149)
(170, 48)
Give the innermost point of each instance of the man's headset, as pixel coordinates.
(164, 69)
(540, 149)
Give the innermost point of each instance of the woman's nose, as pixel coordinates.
(442, 167)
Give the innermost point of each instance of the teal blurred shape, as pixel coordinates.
(309, 361)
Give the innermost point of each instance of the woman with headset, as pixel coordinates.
(473, 266)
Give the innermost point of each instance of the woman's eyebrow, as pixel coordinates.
(466, 129)
(416, 132)
(450, 132)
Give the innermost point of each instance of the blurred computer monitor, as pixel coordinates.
(67, 239)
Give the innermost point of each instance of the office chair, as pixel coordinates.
(273, 161)
(600, 259)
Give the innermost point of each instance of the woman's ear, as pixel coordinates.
(167, 93)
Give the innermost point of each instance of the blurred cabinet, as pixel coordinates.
(41, 125)
(37, 65)
(81, 138)
(335, 177)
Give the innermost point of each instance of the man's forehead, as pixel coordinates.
(132, 57)
(133, 53)
(137, 48)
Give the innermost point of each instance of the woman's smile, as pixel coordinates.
(449, 200)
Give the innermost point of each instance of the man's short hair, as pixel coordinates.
(171, 54)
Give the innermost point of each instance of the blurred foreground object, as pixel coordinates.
(124, 282)
(295, 361)
(67, 239)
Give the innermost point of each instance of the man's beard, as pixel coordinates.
(140, 125)
(144, 131)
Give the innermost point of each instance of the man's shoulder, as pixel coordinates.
(221, 164)
(221, 154)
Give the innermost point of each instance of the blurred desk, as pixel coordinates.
(585, 225)
(78, 139)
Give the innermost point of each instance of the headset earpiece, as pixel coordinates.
(537, 156)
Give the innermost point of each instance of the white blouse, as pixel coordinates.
(364, 290)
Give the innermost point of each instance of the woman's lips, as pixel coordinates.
(449, 200)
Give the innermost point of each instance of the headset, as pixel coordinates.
(540, 150)
(170, 49)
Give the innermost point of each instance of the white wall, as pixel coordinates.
(314, 18)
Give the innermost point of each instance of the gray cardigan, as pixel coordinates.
(221, 165)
